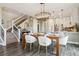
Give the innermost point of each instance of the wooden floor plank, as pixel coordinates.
(15, 49)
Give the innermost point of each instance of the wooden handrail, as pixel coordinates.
(18, 18)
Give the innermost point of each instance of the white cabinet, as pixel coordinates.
(73, 37)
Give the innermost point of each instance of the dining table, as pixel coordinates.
(36, 35)
(56, 38)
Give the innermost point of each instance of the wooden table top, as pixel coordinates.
(52, 36)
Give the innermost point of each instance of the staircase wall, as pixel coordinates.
(27, 24)
(7, 15)
(7, 18)
(10, 38)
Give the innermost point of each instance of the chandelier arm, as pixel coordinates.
(43, 14)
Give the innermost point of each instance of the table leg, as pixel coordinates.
(23, 41)
(57, 48)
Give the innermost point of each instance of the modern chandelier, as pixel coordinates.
(43, 15)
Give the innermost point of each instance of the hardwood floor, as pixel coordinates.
(15, 49)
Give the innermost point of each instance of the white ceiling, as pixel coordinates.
(33, 8)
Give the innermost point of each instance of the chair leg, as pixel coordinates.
(46, 50)
(38, 49)
(65, 46)
(30, 46)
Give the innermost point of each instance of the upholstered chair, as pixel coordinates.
(44, 41)
(30, 39)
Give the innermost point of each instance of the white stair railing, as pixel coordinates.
(16, 32)
(2, 35)
(15, 20)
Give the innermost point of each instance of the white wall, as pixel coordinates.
(7, 15)
(27, 24)
(50, 25)
(34, 25)
(7, 18)
(75, 16)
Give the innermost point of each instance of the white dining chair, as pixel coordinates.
(44, 41)
(63, 38)
(30, 39)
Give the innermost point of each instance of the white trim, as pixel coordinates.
(8, 27)
(72, 32)
(16, 37)
(73, 42)
(2, 27)
(4, 37)
(19, 33)
(14, 21)
(15, 26)
(18, 18)
(1, 39)
(12, 27)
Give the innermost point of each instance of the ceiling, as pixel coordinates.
(33, 8)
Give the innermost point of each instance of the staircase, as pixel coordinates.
(18, 21)
(10, 38)
(21, 20)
